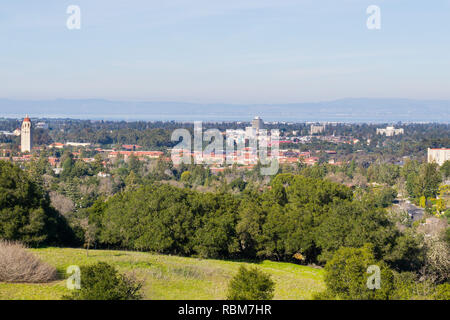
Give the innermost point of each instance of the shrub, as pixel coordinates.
(251, 284)
(408, 287)
(239, 184)
(102, 281)
(346, 276)
(442, 292)
(19, 265)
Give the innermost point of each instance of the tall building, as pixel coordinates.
(26, 135)
(257, 123)
(438, 155)
(317, 129)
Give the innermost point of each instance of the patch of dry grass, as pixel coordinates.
(19, 265)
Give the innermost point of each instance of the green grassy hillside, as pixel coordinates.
(169, 277)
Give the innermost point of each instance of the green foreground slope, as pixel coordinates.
(169, 277)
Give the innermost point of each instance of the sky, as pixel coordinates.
(231, 51)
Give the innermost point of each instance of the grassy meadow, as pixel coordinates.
(168, 277)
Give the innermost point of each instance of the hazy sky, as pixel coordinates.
(234, 51)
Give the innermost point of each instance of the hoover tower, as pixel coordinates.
(26, 135)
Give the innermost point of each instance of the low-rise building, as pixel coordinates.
(103, 175)
(139, 154)
(42, 125)
(317, 129)
(438, 155)
(56, 145)
(390, 131)
(311, 161)
(78, 144)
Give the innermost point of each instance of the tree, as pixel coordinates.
(406, 252)
(216, 236)
(102, 281)
(383, 173)
(134, 164)
(80, 169)
(38, 168)
(423, 201)
(446, 236)
(90, 232)
(186, 176)
(409, 172)
(352, 224)
(440, 206)
(431, 179)
(249, 226)
(238, 184)
(437, 266)
(445, 169)
(25, 211)
(132, 180)
(251, 284)
(442, 292)
(67, 165)
(381, 197)
(406, 286)
(347, 277)
(425, 183)
(97, 166)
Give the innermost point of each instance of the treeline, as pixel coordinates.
(415, 141)
(413, 179)
(296, 218)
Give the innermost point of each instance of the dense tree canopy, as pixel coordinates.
(309, 216)
(25, 211)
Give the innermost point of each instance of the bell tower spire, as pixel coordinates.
(26, 134)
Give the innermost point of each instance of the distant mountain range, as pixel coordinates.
(343, 110)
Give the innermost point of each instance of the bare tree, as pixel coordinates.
(90, 232)
(61, 203)
(437, 260)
